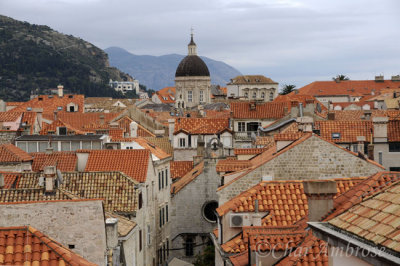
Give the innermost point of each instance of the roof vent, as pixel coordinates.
(335, 135)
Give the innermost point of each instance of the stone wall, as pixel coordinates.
(186, 211)
(78, 223)
(7, 136)
(314, 158)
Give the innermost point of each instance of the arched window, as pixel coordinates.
(263, 95)
(271, 96)
(254, 95)
(246, 95)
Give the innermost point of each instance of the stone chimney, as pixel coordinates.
(82, 158)
(49, 149)
(380, 129)
(50, 178)
(171, 128)
(360, 144)
(200, 146)
(320, 195)
(60, 89)
(159, 133)
(101, 117)
(379, 78)
(133, 128)
(305, 123)
(55, 116)
(2, 183)
(396, 78)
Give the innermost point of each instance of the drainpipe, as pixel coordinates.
(301, 109)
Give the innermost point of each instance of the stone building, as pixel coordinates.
(193, 204)
(253, 87)
(192, 80)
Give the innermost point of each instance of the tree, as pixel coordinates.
(341, 77)
(287, 88)
(207, 258)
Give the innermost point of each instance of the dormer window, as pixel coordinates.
(59, 108)
(62, 131)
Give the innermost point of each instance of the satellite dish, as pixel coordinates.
(60, 179)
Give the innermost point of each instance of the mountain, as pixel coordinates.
(37, 58)
(157, 72)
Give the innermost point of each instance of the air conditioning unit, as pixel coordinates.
(239, 220)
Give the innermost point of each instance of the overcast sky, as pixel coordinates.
(292, 42)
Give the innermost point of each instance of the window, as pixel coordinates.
(164, 257)
(355, 148)
(209, 210)
(166, 213)
(162, 179)
(140, 200)
(201, 96)
(189, 245)
(335, 135)
(241, 126)
(190, 96)
(394, 146)
(148, 235)
(159, 180)
(167, 247)
(182, 142)
(163, 216)
(254, 95)
(140, 240)
(246, 95)
(253, 126)
(271, 96)
(160, 218)
(72, 109)
(394, 169)
(166, 177)
(262, 95)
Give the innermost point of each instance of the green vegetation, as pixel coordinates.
(341, 77)
(287, 89)
(37, 58)
(207, 258)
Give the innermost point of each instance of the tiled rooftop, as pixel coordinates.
(362, 190)
(25, 245)
(276, 238)
(312, 251)
(116, 189)
(10, 116)
(349, 130)
(64, 161)
(29, 118)
(166, 95)
(393, 131)
(186, 179)
(348, 87)
(376, 219)
(288, 136)
(155, 150)
(179, 168)
(229, 165)
(248, 151)
(125, 226)
(30, 194)
(251, 79)
(133, 163)
(10, 153)
(285, 200)
(201, 125)
(269, 110)
(10, 179)
(162, 142)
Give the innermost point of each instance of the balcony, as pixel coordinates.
(243, 136)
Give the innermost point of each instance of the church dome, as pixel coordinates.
(190, 66)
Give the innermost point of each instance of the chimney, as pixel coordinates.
(112, 233)
(380, 129)
(305, 123)
(200, 146)
(101, 117)
(371, 151)
(379, 78)
(367, 114)
(60, 89)
(396, 78)
(2, 183)
(337, 80)
(320, 195)
(171, 128)
(133, 127)
(159, 133)
(360, 144)
(3, 106)
(55, 115)
(82, 158)
(49, 149)
(252, 106)
(50, 178)
(331, 116)
(301, 109)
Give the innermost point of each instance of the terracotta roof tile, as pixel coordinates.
(201, 125)
(348, 87)
(285, 200)
(349, 130)
(250, 79)
(393, 130)
(229, 165)
(186, 179)
(10, 116)
(155, 150)
(162, 142)
(263, 238)
(240, 259)
(312, 251)
(166, 95)
(133, 163)
(51, 103)
(261, 111)
(375, 219)
(288, 136)
(369, 186)
(116, 189)
(10, 179)
(179, 169)
(25, 245)
(29, 194)
(249, 151)
(64, 161)
(11, 153)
